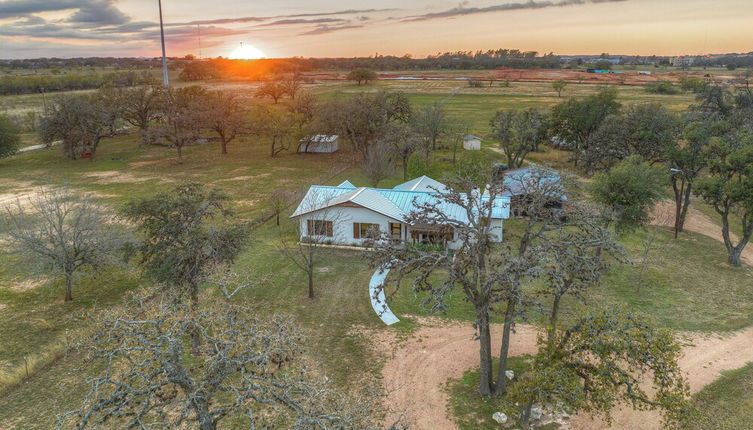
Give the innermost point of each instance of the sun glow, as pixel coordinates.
(246, 52)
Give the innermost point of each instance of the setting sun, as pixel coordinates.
(246, 52)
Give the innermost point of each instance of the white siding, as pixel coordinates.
(472, 145)
(342, 223)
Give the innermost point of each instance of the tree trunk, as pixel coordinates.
(310, 273)
(734, 257)
(485, 352)
(180, 153)
(204, 418)
(223, 143)
(682, 202)
(68, 288)
(525, 416)
(405, 168)
(145, 135)
(552, 329)
(504, 349)
(685, 206)
(277, 219)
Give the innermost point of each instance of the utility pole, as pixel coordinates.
(162, 36)
(198, 32)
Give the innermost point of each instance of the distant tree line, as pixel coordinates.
(12, 85)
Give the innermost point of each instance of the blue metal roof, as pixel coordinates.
(394, 203)
(521, 181)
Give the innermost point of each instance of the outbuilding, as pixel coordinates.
(471, 142)
(319, 143)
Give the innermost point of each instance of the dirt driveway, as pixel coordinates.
(416, 373)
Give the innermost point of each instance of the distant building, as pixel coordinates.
(471, 142)
(319, 143)
(682, 61)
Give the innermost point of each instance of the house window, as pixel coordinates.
(362, 230)
(319, 228)
(395, 230)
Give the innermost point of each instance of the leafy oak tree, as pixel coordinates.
(729, 186)
(186, 233)
(606, 359)
(629, 190)
(519, 132)
(362, 76)
(140, 107)
(576, 120)
(273, 89)
(9, 137)
(643, 129)
(80, 122)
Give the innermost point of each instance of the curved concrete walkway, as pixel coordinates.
(378, 299)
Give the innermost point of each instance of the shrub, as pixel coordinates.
(662, 87)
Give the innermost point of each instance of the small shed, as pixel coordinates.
(319, 143)
(471, 142)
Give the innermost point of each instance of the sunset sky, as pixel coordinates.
(308, 28)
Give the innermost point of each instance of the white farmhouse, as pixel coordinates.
(319, 143)
(471, 142)
(351, 216)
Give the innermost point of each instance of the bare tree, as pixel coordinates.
(277, 125)
(364, 118)
(431, 122)
(310, 246)
(291, 84)
(224, 114)
(278, 201)
(273, 89)
(250, 370)
(403, 142)
(182, 118)
(457, 129)
(62, 233)
(559, 86)
(378, 165)
(472, 267)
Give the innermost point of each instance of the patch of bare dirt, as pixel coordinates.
(703, 362)
(22, 195)
(27, 284)
(137, 164)
(697, 222)
(419, 367)
(415, 375)
(114, 177)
